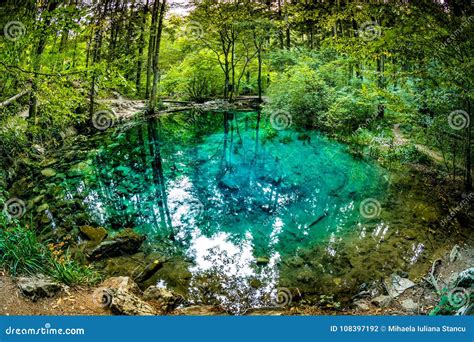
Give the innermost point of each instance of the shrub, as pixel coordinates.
(22, 254)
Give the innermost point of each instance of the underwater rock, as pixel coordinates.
(126, 303)
(149, 271)
(125, 243)
(167, 300)
(396, 285)
(94, 234)
(261, 261)
(228, 183)
(38, 287)
(48, 172)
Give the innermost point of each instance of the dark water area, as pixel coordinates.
(239, 209)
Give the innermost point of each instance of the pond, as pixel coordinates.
(246, 215)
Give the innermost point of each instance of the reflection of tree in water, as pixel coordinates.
(233, 282)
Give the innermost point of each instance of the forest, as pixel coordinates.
(304, 157)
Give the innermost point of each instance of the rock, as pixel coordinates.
(93, 233)
(149, 271)
(454, 253)
(228, 183)
(126, 303)
(48, 172)
(126, 243)
(42, 208)
(465, 278)
(121, 283)
(396, 285)
(166, 299)
(199, 310)
(362, 305)
(38, 287)
(382, 301)
(409, 305)
(261, 261)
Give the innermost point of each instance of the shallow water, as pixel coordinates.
(249, 215)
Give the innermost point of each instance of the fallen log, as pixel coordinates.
(16, 97)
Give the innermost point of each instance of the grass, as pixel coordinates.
(21, 253)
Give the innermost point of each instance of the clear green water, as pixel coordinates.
(238, 208)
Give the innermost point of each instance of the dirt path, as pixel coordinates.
(401, 140)
(71, 302)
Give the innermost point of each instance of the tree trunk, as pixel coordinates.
(156, 59)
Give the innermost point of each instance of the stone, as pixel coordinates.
(42, 208)
(409, 305)
(228, 183)
(261, 261)
(167, 300)
(38, 287)
(199, 310)
(126, 303)
(121, 283)
(149, 271)
(465, 278)
(396, 285)
(362, 305)
(48, 172)
(382, 301)
(94, 234)
(126, 243)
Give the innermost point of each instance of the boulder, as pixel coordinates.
(396, 285)
(93, 233)
(126, 303)
(465, 278)
(409, 305)
(362, 305)
(167, 300)
(121, 283)
(382, 301)
(126, 243)
(200, 310)
(38, 287)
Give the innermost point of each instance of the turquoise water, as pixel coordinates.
(237, 180)
(223, 195)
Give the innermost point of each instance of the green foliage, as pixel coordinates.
(301, 92)
(21, 253)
